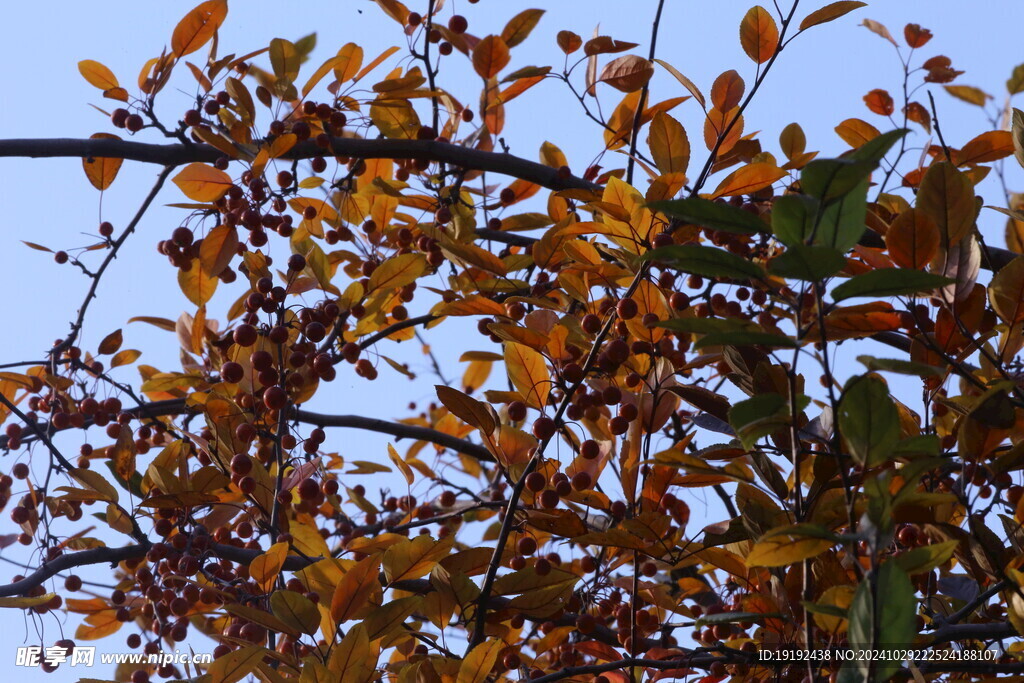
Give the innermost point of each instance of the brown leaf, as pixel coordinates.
(466, 408)
(969, 94)
(568, 41)
(879, 29)
(628, 73)
(519, 27)
(916, 36)
(912, 239)
(111, 343)
(947, 196)
(685, 82)
(1006, 292)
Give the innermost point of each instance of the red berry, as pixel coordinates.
(275, 398)
(232, 372)
(544, 428)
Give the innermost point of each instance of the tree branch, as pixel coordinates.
(177, 154)
(396, 429)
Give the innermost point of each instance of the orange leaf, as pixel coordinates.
(913, 239)
(989, 146)
(395, 10)
(628, 73)
(354, 588)
(528, 373)
(916, 112)
(1006, 292)
(234, 666)
(99, 625)
(669, 145)
(202, 182)
(727, 90)
(101, 171)
(880, 102)
(490, 56)
(830, 12)
(218, 248)
(759, 35)
(716, 123)
(685, 82)
(264, 568)
(856, 132)
(97, 74)
(750, 178)
(198, 26)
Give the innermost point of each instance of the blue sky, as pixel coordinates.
(818, 81)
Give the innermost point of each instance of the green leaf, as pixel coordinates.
(758, 416)
(828, 179)
(868, 420)
(875, 149)
(889, 282)
(926, 558)
(882, 617)
(807, 262)
(922, 444)
(842, 222)
(902, 367)
(745, 338)
(709, 325)
(705, 261)
(709, 214)
(793, 218)
(733, 617)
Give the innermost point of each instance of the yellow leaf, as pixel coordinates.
(97, 74)
(669, 145)
(234, 666)
(285, 59)
(282, 144)
(551, 155)
(1006, 292)
(101, 171)
(23, 602)
(99, 625)
(478, 663)
(395, 119)
(218, 248)
(402, 466)
(759, 35)
(264, 568)
(398, 271)
(202, 182)
(198, 26)
(94, 480)
(490, 56)
(125, 357)
(412, 559)
(197, 285)
(355, 588)
(350, 58)
(528, 373)
(750, 178)
(354, 657)
(785, 546)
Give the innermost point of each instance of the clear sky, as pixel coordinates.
(819, 81)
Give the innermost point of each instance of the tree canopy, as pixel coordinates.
(678, 317)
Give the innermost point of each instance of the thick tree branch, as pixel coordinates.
(370, 424)
(177, 154)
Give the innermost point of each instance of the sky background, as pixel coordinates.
(818, 81)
